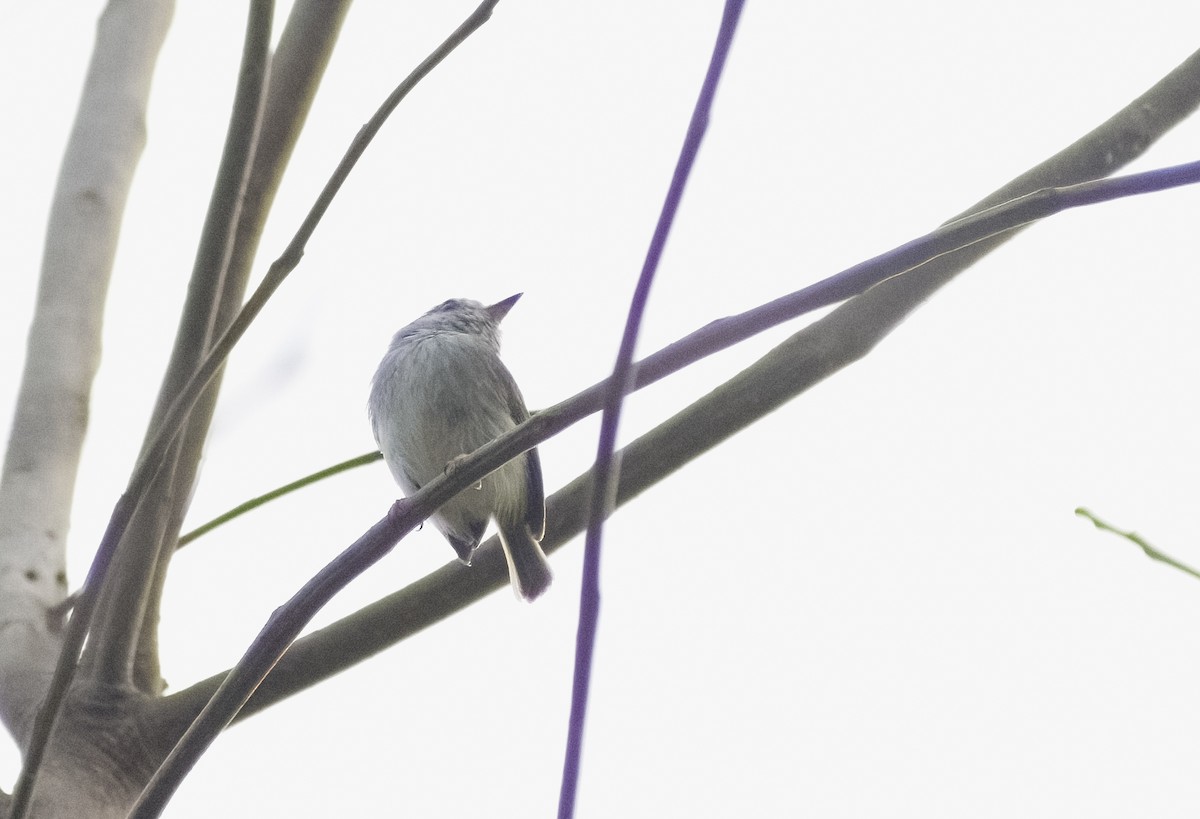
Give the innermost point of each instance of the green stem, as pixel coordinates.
(253, 503)
(1151, 552)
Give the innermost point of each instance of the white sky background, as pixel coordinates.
(877, 601)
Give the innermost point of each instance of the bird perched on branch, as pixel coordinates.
(440, 393)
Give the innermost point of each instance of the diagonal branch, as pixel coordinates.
(813, 354)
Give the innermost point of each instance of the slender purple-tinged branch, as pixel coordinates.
(603, 484)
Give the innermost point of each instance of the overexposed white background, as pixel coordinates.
(877, 601)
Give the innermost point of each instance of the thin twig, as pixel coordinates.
(267, 497)
(1140, 542)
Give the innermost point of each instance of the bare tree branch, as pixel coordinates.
(297, 67)
(108, 660)
(816, 352)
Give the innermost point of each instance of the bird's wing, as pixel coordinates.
(535, 510)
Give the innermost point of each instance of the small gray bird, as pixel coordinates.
(442, 392)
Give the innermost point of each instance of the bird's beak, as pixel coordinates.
(500, 309)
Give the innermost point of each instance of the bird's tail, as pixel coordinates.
(528, 568)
